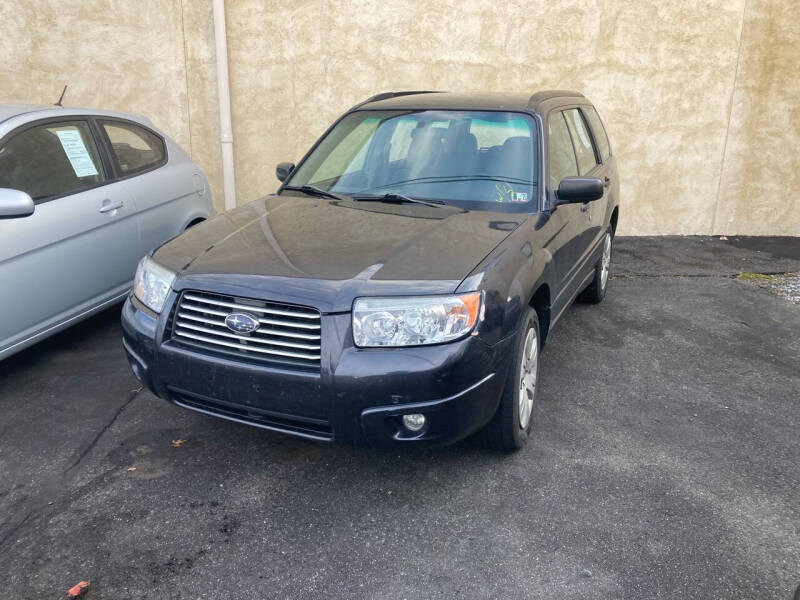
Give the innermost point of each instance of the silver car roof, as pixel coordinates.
(13, 115)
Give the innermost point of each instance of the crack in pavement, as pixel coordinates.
(15, 528)
(49, 489)
(105, 428)
(53, 505)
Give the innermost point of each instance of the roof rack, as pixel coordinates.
(387, 95)
(539, 97)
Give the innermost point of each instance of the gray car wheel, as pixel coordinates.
(511, 425)
(596, 290)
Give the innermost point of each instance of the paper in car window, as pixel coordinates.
(76, 152)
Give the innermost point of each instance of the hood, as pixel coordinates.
(299, 237)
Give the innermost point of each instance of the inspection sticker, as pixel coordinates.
(76, 152)
(521, 197)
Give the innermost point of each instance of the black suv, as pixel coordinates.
(399, 286)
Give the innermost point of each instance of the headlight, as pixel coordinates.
(152, 283)
(414, 321)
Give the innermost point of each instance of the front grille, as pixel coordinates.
(318, 429)
(288, 335)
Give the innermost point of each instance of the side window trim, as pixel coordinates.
(102, 149)
(106, 172)
(119, 175)
(592, 137)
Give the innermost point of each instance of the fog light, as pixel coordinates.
(414, 421)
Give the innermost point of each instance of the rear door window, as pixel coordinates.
(582, 141)
(134, 149)
(51, 160)
(561, 155)
(600, 137)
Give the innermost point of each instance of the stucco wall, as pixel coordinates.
(119, 55)
(761, 172)
(700, 98)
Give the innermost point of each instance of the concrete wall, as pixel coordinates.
(700, 98)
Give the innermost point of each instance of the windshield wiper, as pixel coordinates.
(313, 190)
(400, 198)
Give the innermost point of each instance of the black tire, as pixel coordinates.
(504, 431)
(597, 289)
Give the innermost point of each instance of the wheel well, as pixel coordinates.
(614, 217)
(541, 304)
(195, 222)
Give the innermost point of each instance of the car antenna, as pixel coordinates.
(64, 91)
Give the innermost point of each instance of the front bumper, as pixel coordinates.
(359, 395)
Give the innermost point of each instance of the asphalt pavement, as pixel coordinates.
(665, 463)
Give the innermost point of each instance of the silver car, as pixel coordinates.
(84, 194)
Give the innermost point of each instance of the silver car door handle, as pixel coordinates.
(584, 207)
(109, 206)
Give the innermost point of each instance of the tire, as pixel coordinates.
(506, 431)
(596, 290)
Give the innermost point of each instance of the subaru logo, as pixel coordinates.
(239, 322)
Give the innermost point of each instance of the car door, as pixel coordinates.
(80, 246)
(567, 222)
(589, 165)
(607, 171)
(166, 188)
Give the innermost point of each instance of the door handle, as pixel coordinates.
(584, 207)
(606, 182)
(109, 206)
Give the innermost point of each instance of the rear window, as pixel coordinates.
(135, 148)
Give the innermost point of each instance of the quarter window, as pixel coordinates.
(135, 148)
(49, 160)
(581, 140)
(599, 132)
(561, 155)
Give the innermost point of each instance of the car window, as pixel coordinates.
(561, 154)
(134, 148)
(352, 152)
(600, 137)
(581, 140)
(469, 157)
(51, 159)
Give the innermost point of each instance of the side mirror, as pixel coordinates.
(283, 170)
(15, 204)
(579, 189)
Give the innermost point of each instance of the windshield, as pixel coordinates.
(475, 159)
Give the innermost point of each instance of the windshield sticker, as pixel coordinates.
(505, 193)
(521, 197)
(76, 152)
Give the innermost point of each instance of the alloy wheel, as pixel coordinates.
(605, 264)
(527, 382)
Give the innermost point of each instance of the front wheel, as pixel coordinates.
(597, 288)
(511, 425)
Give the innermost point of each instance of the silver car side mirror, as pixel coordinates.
(15, 204)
